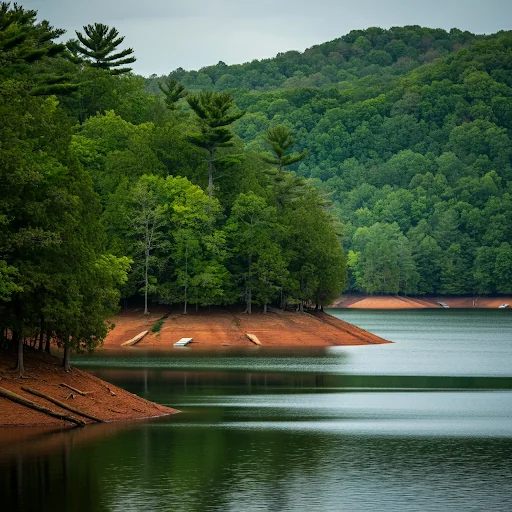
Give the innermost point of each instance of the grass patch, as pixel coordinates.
(158, 325)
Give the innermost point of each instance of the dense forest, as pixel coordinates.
(249, 183)
(108, 191)
(409, 136)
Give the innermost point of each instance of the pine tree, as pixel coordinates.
(286, 185)
(173, 91)
(280, 140)
(215, 112)
(28, 52)
(100, 44)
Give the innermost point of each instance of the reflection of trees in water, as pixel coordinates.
(273, 458)
(163, 465)
(49, 469)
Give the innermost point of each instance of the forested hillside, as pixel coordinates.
(239, 184)
(108, 191)
(409, 135)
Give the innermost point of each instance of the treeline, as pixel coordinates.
(108, 191)
(418, 166)
(374, 56)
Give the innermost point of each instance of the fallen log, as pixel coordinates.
(253, 338)
(62, 404)
(134, 340)
(14, 397)
(83, 393)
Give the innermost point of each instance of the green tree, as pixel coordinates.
(251, 230)
(147, 217)
(28, 52)
(215, 113)
(99, 45)
(503, 268)
(173, 92)
(279, 140)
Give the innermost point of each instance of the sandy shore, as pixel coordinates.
(228, 328)
(396, 302)
(44, 374)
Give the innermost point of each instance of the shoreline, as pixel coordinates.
(217, 330)
(102, 400)
(229, 329)
(423, 302)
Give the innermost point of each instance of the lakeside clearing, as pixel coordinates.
(225, 328)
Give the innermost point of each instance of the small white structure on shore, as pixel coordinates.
(183, 342)
(503, 306)
(443, 304)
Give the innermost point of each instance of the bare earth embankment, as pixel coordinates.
(395, 302)
(219, 329)
(101, 400)
(228, 328)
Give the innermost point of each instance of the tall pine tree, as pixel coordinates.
(99, 44)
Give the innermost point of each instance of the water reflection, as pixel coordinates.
(394, 427)
(156, 466)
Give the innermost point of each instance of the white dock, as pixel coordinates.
(183, 342)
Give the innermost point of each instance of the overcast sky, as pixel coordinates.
(167, 34)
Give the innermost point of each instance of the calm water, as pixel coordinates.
(422, 424)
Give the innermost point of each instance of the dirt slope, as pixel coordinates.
(103, 400)
(228, 328)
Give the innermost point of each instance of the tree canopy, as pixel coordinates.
(99, 44)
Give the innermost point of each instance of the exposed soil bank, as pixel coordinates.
(228, 328)
(102, 400)
(395, 302)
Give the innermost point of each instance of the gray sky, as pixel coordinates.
(167, 34)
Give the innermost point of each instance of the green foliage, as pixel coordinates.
(108, 191)
(158, 326)
(99, 45)
(28, 52)
(373, 57)
(408, 126)
(280, 140)
(173, 91)
(215, 113)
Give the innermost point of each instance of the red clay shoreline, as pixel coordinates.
(45, 375)
(228, 328)
(425, 302)
(220, 329)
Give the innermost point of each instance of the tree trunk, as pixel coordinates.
(185, 288)
(248, 307)
(146, 312)
(265, 308)
(48, 340)
(65, 360)
(20, 368)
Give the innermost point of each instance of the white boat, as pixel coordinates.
(503, 306)
(443, 304)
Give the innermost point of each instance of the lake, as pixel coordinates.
(423, 424)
